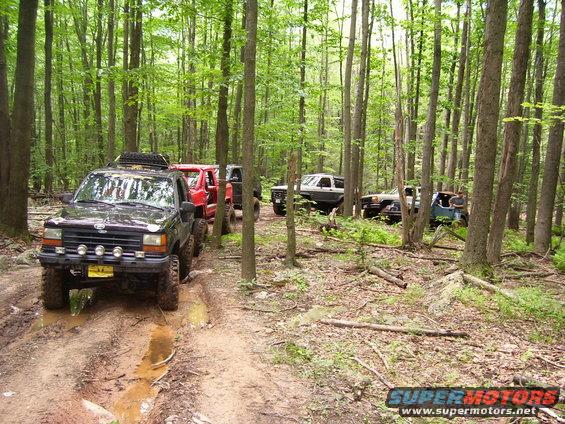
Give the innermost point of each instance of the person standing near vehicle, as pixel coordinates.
(459, 203)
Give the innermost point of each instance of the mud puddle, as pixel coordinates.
(139, 397)
(74, 316)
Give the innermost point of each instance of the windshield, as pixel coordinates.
(192, 178)
(118, 188)
(309, 180)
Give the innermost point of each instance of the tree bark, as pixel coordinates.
(423, 216)
(131, 107)
(346, 115)
(290, 256)
(511, 129)
(5, 124)
(111, 83)
(475, 254)
(248, 269)
(235, 147)
(302, 100)
(357, 136)
(15, 217)
(222, 126)
(542, 231)
(531, 206)
(47, 104)
(323, 103)
(98, 83)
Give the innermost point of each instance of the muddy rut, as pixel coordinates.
(124, 359)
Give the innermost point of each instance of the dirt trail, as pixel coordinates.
(50, 362)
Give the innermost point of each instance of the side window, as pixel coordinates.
(408, 191)
(181, 191)
(236, 175)
(338, 183)
(210, 178)
(325, 182)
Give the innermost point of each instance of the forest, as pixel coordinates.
(464, 97)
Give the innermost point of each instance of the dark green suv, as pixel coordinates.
(129, 225)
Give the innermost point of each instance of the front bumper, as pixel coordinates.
(124, 265)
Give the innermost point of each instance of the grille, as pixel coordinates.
(130, 242)
(278, 194)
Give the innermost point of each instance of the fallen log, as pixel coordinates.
(471, 279)
(394, 329)
(386, 276)
(381, 378)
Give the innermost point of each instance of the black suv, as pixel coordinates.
(129, 224)
(234, 175)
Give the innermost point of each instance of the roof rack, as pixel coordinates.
(143, 160)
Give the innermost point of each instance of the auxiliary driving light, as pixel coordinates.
(99, 250)
(118, 251)
(60, 250)
(139, 254)
(82, 249)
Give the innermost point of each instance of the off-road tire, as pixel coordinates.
(229, 222)
(185, 258)
(200, 232)
(168, 286)
(256, 209)
(279, 210)
(54, 292)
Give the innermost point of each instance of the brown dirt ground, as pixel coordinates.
(261, 355)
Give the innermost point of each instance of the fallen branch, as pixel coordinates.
(378, 352)
(164, 361)
(386, 276)
(270, 311)
(393, 328)
(374, 371)
(438, 246)
(471, 279)
(159, 378)
(555, 364)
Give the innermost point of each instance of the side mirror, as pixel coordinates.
(67, 198)
(187, 207)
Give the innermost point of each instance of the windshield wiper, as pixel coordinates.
(140, 204)
(94, 201)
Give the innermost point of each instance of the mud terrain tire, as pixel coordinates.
(185, 258)
(200, 233)
(256, 209)
(168, 286)
(229, 222)
(53, 288)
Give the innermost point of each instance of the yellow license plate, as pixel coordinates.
(100, 271)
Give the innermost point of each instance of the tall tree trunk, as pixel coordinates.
(475, 254)
(98, 83)
(111, 83)
(62, 168)
(423, 216)
(465, 45)
(15, 217)
(5, 124)
(235, 147)
(542, 232)
(47, 104)
(290, 256)
(248, 269)
(531, 206)
(302, 100)
(131, 107)
(358, 111)
(346, 115)
(125, 64)
(560, 193)
(448, 109)
(511, 129)
(222, 126)
(323, 103)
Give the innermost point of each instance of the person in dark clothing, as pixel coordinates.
(459, 203)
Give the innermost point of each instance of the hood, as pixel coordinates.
(119, 217)
(280, 187)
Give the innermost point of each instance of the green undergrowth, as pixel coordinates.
(534, 303)
(559, 258)
(260, 239)
(516, 242)
(365, 232)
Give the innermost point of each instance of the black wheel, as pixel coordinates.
(256, 209)
(279, 209)
(229, 222)
(168, 286)
(200, 231)
(54, 291)
(185, 258)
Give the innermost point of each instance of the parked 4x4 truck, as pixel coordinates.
(323, 191)
(372, 205)
(234, 175)
(203, 184)
(128, 225)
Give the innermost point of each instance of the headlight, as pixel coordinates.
(118, 251)
(82, 249)
(375, 199)
(154, 239)
(52, 233)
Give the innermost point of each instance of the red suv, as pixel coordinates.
(203, 186)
